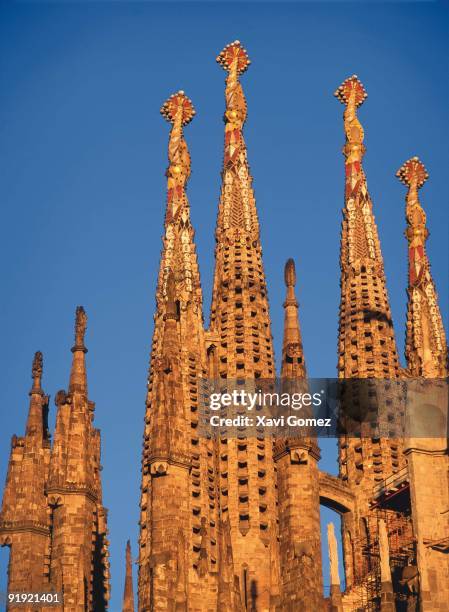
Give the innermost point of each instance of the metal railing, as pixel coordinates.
(395, 480)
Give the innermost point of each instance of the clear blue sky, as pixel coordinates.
(82, 186)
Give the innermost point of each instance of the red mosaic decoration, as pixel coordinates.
(349, 87)
(233, 141)
(170, 108)
(354, 177)
(232, 52)
(416, 268)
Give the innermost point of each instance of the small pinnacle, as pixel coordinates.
(290, 273)
(36, 370)
(80, 326)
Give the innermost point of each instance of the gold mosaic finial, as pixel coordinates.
(178, 105)
(413, 171)
(351, 89)
(290, 273)
(36, 370)
(80, 327)
(234, 56)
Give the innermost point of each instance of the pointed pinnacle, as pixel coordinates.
(413, 169)
(234, 52)
(36, 371)
(351, 86)
(80, 328)
(178, 102)
(128, 595)
(290, 273)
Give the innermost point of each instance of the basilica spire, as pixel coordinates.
(237, 214)
(367, 346)
(293, 365)
(239, 298)
(240, 327)
(366, 343)
(178, 468)
(425, 345)
(178, 255)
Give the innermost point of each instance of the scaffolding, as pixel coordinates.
(391, 503)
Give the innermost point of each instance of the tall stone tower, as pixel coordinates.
(240, 325)
(426, 353)
(24, 524)
(297, 479)
(425, 344)
(52, 515)
(178, 526)
(366, 343)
